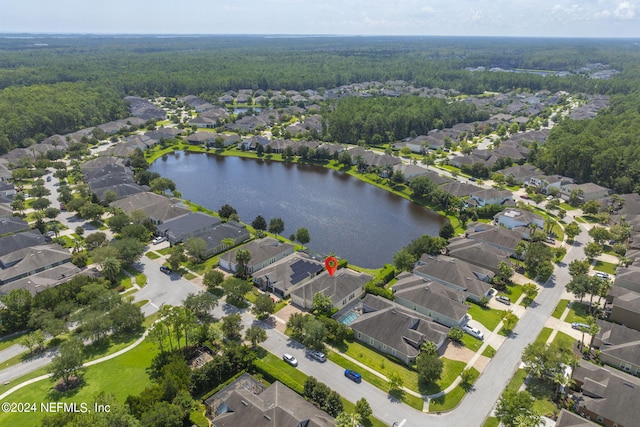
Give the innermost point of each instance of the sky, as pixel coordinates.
(510, 18)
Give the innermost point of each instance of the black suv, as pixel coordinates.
(165, 269)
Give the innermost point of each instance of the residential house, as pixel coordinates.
(12, 224)
(628, 278)
(216, 236)
(32, 260)
(491, 196)
(416, 145)
(263, 252)
(457, 274)
(619, 346)
(589, 191)
(478, 253)
(625, 307)
(394, 329)
(5, 173)
(499, 237)
(344, 286)
(569, 419)
(248, 402)
(201, 138)
(543, 182)
(410, 171)
(6, 208)
(39, 281)
(156, 207)
(459, 189)
(442, 304)
(12, 246)
(520, 173)
(7, 189)
(608, 396)
(519, 220)
(180, 228)
(290, 271)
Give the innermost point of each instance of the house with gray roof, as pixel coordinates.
(180, 228)
(342, 288)
(6, 209)
(38, 282)
(12, 224)
(570, 419)
(12, 246)
(263, 252)
(7, 189)
(215, 236)
(457, 274)
(281, 276)
(248, 402)
(478, 253)
(519, 220)
(491, 196)
(459, 189)
(497, 236)
(589, 191)
(628, 278)
(625, 307)
(394, 329)
(619, 346)
(156, 207)
(34, 260)
(608, 396)
(520, 173)
(441, 303)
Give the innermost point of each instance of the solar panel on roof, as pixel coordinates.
(302, 269)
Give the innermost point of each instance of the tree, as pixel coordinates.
(232, 327)
(592, 250)
(276, 225)
(126, 318)
(235, 289)
(226, 211)
(446, 231)
(404, 260)
(118, 221)
(456, 334)
(530, 292)
(302, 236)
(599, 234)
(395, 381)
(34, 341)
(196, 248)
(255, 335)
(160, 185)
(129, 250)
(509, 320)
(322, 304)
(579, 267)
(315, 334)
(243, 257)
(578, 286)
(176, 256)
(515, 407)
(428, 364)
(212, 279)
(95, 240)
(363, 408)
(466, 376)
(17, 308)
(591, 207)
(572, 230)
(201, 304)
(259, 223)
(40, 204)
(263, 306)
(594, 328)
(67, 364)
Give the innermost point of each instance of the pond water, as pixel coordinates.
(355, 220)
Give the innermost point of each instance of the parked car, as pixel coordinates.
(524, 196)
(318, 355)
(503, 299)
(63, 207)
(158, 239)
(353, 375)
(165, 269)
(580, 326)
(49, 178)
(474, 332)
(290, 359)
(602, 275)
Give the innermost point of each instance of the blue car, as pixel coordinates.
(353, 375)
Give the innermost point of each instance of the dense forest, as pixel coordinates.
(378, 120)
(60, 84)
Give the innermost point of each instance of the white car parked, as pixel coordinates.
(474, 332)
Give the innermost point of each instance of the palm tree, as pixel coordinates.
(110, 268)
(242, 258)
(593, 330)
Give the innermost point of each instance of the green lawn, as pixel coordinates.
(513, 292)
(544, 335)
(139, 277)
(152, 255)
(543, 392)
(605, 267)
(565, 341)
(557, 312)
(517, 380)
(491, 422)
(578, 313)
(489, 352)
(121, 376)
(471, 343)
(452, 399)
(489, 318)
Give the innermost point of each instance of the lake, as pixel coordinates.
(355, 220)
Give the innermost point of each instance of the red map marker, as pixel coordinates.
(332, 265)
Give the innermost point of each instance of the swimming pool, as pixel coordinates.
(348, 318)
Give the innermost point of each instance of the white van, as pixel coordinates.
(474, 332)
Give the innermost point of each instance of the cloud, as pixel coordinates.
(625, 10)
